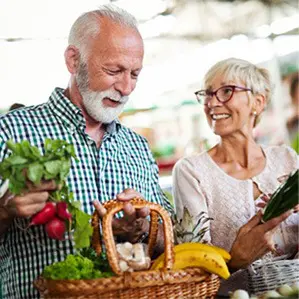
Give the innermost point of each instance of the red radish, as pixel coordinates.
(62, 211)
(46, 214)
(55, 229)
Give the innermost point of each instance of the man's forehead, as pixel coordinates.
(116, 37)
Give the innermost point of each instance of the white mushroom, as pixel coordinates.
(138, 252)
(123, 266)
(124, 251)
(141, 265)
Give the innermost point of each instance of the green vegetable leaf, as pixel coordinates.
(53, 167)
(26, 159)
(26, 162)
(74, 267)
(14, 147)
(83, 230)
(15, 160)
(35, 173)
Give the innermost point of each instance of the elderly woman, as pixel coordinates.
(230, 179)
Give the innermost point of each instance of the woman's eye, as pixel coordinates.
(227, 90)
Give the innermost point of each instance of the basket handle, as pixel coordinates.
(114, 207)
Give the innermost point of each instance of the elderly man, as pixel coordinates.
(104, 58)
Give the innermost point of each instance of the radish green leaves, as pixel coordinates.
(26, 163)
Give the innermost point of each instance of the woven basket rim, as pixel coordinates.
(118, 283)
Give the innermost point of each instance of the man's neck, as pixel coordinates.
(94, 128)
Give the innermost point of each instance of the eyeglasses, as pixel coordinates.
(223, 94)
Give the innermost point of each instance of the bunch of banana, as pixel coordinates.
(208, 257)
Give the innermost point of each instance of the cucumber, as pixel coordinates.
(284, 198)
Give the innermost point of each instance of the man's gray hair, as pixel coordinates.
(87, 26)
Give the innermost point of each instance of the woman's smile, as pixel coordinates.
(219, 116)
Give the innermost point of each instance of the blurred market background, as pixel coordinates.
(183, 38)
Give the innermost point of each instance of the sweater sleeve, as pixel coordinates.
(187, 192)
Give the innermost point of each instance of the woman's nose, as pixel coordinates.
(213, 102)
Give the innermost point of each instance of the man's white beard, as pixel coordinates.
(93, 103)
(93, 100)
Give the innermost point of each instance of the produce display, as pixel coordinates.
(284, 198)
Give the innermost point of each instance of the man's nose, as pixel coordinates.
(125, 85)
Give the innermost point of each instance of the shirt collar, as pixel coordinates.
(71, 115)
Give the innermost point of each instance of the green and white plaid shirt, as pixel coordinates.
(123, 161)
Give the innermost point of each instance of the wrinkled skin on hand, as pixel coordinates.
(133, 224)
(30, 202)
(254, 240)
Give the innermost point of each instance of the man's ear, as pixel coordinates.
(72, 58)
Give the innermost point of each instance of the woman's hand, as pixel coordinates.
(265, 198)
(134, 223)
(253, 240)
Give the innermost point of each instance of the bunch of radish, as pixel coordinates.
(54, 216)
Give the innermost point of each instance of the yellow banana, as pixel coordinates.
(210, 261)
(194, 246)
(200, 246)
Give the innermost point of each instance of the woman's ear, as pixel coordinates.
(259, 104)
(72, 57)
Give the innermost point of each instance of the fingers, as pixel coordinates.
(128, 194)
(29, 204)
(296, 209)
(99, 208)
(143, 213)
(43, 186)
(253, 222)
(269, 225)
(129, 213)
(261, 204)
(265, 197)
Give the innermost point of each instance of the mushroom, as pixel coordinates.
(124, 251)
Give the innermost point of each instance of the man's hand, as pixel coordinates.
(254, 240)
(29, 203)
(134, 223)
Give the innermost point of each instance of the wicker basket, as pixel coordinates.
(268, 275)
(163, 283)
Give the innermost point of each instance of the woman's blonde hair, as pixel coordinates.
(255, 78)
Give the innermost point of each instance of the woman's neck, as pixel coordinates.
(242, 152)
(241, 158)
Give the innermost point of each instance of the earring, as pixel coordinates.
(254, 113)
